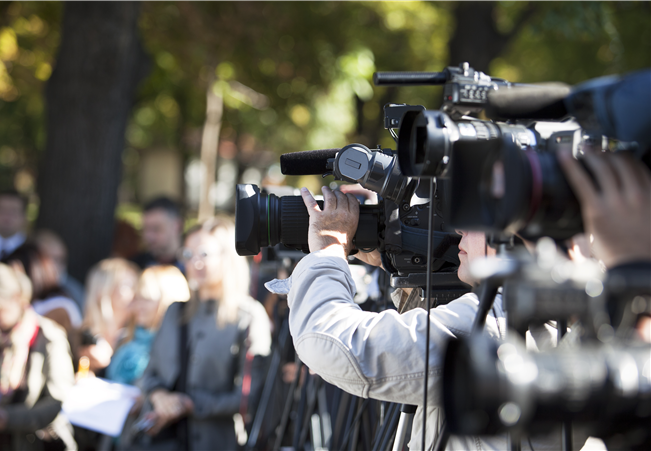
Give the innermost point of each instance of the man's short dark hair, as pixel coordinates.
(16, 195)
(163, 203)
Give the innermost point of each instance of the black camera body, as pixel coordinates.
(398, 231)
(505, 173)
(397, 225)
(599, 379)
(504, 178)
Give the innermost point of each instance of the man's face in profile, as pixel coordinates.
(471, 248)
(161, 233)
(12, 215)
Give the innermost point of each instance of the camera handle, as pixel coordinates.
(566, 426)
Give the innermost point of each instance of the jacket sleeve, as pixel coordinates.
(378, 355)
(59, 378)
(164, 352)
(255, 344)
(208, 404)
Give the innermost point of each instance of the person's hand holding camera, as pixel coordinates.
(333, 227)
(617, 213)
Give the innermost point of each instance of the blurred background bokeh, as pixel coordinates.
(104, 106)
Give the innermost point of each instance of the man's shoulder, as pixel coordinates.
(469, 298)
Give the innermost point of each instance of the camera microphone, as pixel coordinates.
(528, 102)
(309, 162)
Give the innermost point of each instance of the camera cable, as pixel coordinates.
(428, 295)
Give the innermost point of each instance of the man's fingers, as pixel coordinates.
(578, 179)
(329, 199)
(342, 200)
(633, 174)
(309, 201)
(626, 173)
(353, 204)
(603, 173)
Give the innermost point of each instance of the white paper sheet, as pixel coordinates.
(100, 405)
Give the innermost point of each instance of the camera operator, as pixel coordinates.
(382, 356)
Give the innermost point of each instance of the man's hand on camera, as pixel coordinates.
(372, 258)
(618, 214)
(335, 226)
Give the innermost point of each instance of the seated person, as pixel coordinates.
(35, 371)
(158, 287)
(48, 297)
(110, 287)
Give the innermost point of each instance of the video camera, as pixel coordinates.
(397, 226)
(500, 176)
(505, 179)
(601, 382)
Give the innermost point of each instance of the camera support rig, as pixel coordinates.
(465, 89)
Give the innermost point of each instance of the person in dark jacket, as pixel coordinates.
(195, 395)
(162, 229)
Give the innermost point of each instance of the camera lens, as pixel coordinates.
(526, 192)
(491, 387)
(425, 141)
(263, 220)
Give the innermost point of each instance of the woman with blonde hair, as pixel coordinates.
(158, 287)
(197, 365)
(110, 287)
(35, 370)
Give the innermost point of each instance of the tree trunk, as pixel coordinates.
(89, 97)
(209, 147)
(476, 39)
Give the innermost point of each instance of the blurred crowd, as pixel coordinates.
(171, 315)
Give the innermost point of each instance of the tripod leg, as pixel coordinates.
(308, 416)
(404, 424)
(280, 431)
(270, 383)
(566, 436)
(355, 431)
(324, 415)
(383, 437)
(298, 427)
(513, 442)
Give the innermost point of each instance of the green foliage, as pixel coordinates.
(575, 41)
(297, 75)
(29, 35)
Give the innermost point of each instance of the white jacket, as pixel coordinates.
(382, 355)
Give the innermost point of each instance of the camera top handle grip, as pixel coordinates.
(409, 78)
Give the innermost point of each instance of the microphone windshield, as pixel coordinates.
(528, 102)
(309, 162)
